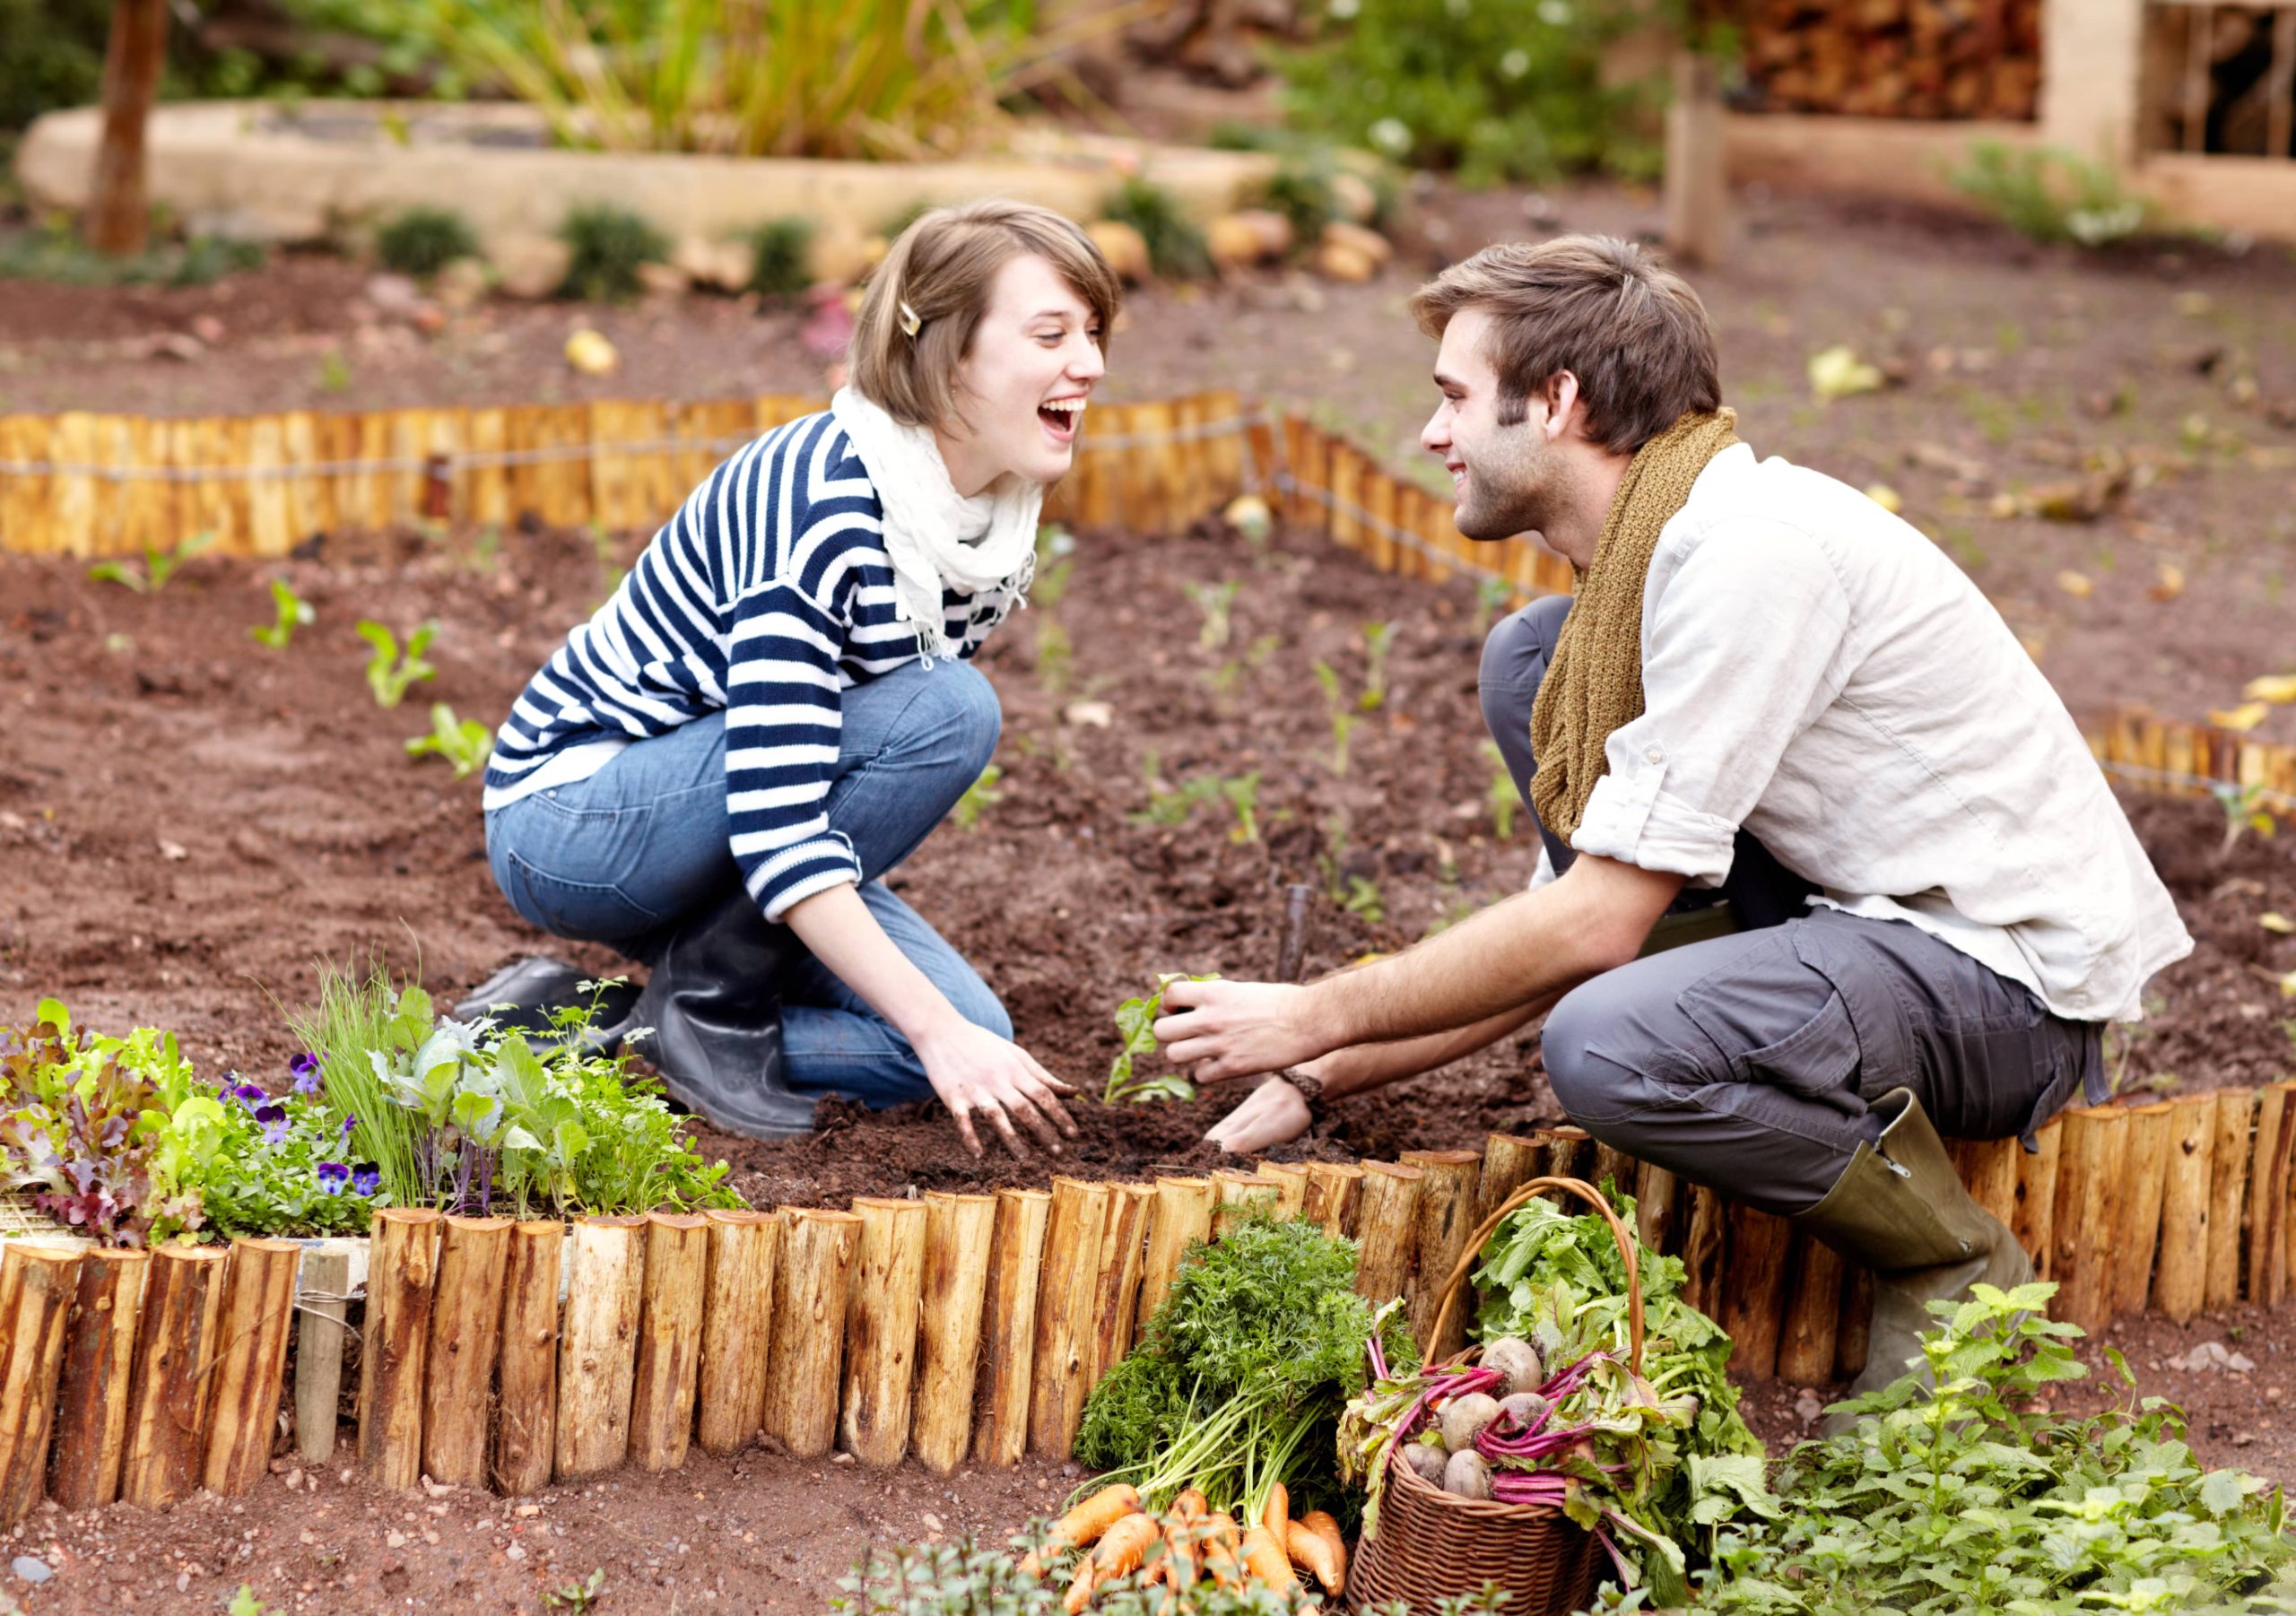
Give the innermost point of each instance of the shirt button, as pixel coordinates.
(1654, 755)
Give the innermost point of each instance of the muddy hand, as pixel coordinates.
(978, 1073)
(1276, 1112)
(1231, 1029)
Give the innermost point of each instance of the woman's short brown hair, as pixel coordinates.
(943, 267)
(1610, 313)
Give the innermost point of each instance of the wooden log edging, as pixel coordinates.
(974, 1326)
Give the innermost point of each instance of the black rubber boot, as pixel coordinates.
(711, 1022)
(1903, 1212)
(522, 997)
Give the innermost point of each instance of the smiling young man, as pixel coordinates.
(1765, 687)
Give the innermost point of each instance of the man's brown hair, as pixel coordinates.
(1610, 313)
(942, 268)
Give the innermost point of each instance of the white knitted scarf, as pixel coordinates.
(924, 521)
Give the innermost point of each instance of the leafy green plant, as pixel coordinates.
(245, 1603)
(606, 246)
(1363, 899)
(423, 240)
(579, 1596)
(780, 256)
(1303, 193)
(1239, 1377)
(978, 797)
(1343, 715)
(55, 253)
(1968, 1494)
(290, 611)
(390, 670)
(159, 565)
(2049, 194)
(1136, 1019)
(780, 78)
(1176, 247)
(1497, 92)
(466, 744)
(1217, 602)
(1500, 795)
(2244, 810)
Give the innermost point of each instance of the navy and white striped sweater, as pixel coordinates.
(767, 595)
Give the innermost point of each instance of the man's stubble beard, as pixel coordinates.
(1520, 488)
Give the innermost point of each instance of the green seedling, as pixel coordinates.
(1217, 602)
(245, 1603)
(977, 798)
(2244, 810)
(1242, 794)
(1055, 561)
(485, 552)
(391, 669)
(1378, 638)
(1136, 1019)
(1491, 597)
(293, 612)
(159, 565)
(1342, 719)
(1228, 678)
(466, 744)
(1363, 899)
(1500, 795)
(335, 373)
(579, 1596)
(1056, 656)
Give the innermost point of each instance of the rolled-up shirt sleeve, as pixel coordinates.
(1742, 650)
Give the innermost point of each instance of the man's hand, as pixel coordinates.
(1276, 1112)
(1231, 1029)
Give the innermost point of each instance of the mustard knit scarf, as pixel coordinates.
(1594, 679)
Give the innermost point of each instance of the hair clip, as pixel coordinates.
(909, 320)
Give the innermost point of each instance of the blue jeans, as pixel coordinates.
(623, 856)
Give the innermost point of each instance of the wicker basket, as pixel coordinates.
(1430, 1544)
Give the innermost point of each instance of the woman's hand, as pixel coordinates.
(973, 1070)
(1276, 1113)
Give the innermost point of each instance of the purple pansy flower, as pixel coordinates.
(306, 1069)
(333, 1177)
(249, 1094)
(275, 1132)
(366, 1181)
(348, 1123)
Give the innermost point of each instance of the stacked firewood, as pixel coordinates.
(1894, 58)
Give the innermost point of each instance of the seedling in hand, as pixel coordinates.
(159, 565)
(466, 744)
(293, 612)
(977, 798)
(1135, 1018)
(390, 671)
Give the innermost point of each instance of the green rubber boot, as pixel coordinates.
(1901, 1211)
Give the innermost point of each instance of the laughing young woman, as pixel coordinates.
(714, 773)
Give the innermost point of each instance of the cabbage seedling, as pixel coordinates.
(159, 565)
(293, 612)
(466, 744)
(391, 669)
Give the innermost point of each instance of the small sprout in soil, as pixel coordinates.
(1242, 794)
(335, 373)
(1342, 719)
(1136, 1019)
(485, 551)
(159, 565)
(1501, 794)
(1054, 655)
(977, 798)
(466, 744)
(1056, 560)
(390, 670)
(1491, 597)
(780, 250)
(1363, 899)
(1216, 602)
(293, 612)
(1378, 638)
(2244, 810)
(245, 1603)
(579, 1596)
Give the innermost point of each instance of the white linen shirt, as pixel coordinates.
(1814, 669)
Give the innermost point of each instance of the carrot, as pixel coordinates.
(1324, 1558)
(1189, 1506)
(1265, 1560)
(1123, 1545)
(1180, 1554)
(1084, 1524)
(1277, 1512)
(1320, 1523)
(1080, 1592)
(1223, 1555)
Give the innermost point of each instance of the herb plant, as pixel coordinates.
(1239, 1377)
(390, 670)
(1136, 1019)
(159, 565)
(466, 744)
(1962, 1496)
(290, 611)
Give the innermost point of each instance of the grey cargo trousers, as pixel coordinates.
(1748, 1063)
